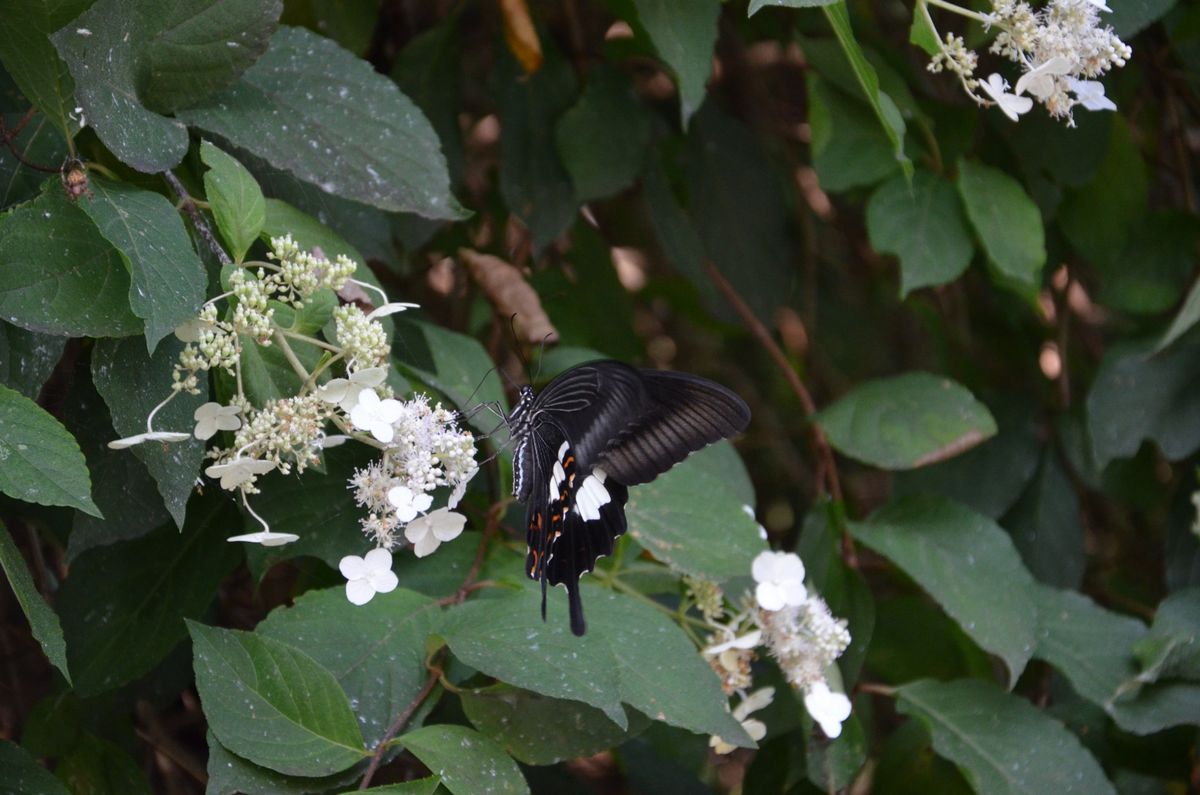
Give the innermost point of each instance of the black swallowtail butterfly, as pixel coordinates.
(595, 430)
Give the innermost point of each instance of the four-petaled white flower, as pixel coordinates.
(213, 417)
(755, 728)
(239, 471)
(376, 416)
(1012, 105)
(1090, 94)
(780, 578)
(268, 538)
(827, 708)
(345, 391)
(428, 532)
(1039, 81)
(407, 503)
(369, 575)
(390, 309)
(149, 436)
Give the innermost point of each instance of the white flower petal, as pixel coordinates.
(334, 390)
(426, 545)
(827, 708)
(267, 538)
(359, 592)
(390, 309)
(756, 729)
(378, 560)
(1039, 80)
(353, 567)
(152, 436)
(769, 596)
(417, 530)
(369, 376)
(747, 641)
(446, 525)
(383, 581)
(422, 502)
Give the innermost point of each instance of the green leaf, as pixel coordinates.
(758, 5)
(273, 704)
(849, 149)
(631, 653)
(267, 374)
(990, 477)
(1047, 526)
(375, 651)
(1133, 16)
(123, 605)
(421, 786)
(684, 32)
(732, 184)
(31, 60)
(27, 358)
(132, 383)
(602, 139)
(428, 70)
(467, 762)
(349, 129)
(1137, 395)
(538, 730)
(37, 142)
(884, 107)
(1163, 244)
(1172, 647)
(533, 182)
(40, 461)
(1008, 223)
(168, 278)
(1000, 741)
(230, 774)
(967, 564)
(922, 33)
(42, 619)
(235, 198)
(922, 223)
(282, 218)
(1185, 319)
(692, 519)
(906, 421)
(24, 776)
(454, 364)
(60, 275)
(95, 765)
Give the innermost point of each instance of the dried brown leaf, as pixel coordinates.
(506, 288)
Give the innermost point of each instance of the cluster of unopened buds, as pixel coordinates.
(797, 630)
(421, 448)
(1062, 49)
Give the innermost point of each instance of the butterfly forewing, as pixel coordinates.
(592, 432)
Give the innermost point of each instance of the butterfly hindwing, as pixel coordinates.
(592, 432)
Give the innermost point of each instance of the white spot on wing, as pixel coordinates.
(592, 495)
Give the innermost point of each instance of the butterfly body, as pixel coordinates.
(595, 430)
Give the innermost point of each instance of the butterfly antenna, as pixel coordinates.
(541, 355)
(512, 327)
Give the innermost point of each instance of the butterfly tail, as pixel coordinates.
(543, 596)
(578, 625)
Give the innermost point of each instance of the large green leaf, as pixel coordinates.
(31, 60)
(1133, 16)
(684, 32)
(273, 704)
(538, 730)
(39, 460)
(1001, 742)
(24, 776)
(631, 653)
(603, 138)
(535, 185)
(1163, 244)
(1008, 223)
(132, 383)
(230, 774)
(124, 604)
(692, 519)
(884, 107)
(967, 564)
(96, 765)
(60, 275)
(467, 762)
(849, 149)
(906, 421)
(235, 198)
(375, 651)
(27, 358)
(42, 619)
(1047, 526)
(1138, 395)
(349, 129)
(922, 223)
(168, 278)
(1172, 647)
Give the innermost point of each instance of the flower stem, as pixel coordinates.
(290, 355)
(966, 12)
(310, 340)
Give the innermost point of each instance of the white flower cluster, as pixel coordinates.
(1061, 49)
(797, 630)
(421, 447)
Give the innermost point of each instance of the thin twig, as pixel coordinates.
(189, 207)
(435, 674)
(827, 467)
(9, 137)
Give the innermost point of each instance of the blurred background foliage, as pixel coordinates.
(959, 336)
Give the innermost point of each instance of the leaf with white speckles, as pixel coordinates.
(314, 109)
(273, 704)
(60, 275)
(132, 383)
(1001, 742)
(168, 277)
(43, 621)
(40, 461)
(467, 762)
